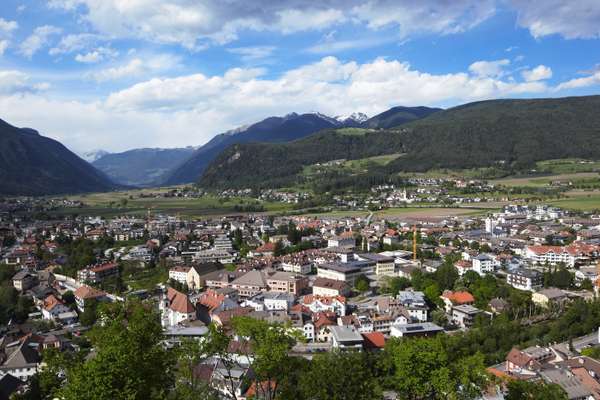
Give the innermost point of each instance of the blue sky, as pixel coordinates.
(121, 74)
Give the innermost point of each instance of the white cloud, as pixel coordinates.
(252, 53)
(489, 68)
(14, 82)
(590, 80)
(337, 46)
(195, 24)
(570, 19)
(75, 42)
(137, 67)
(7, 27)
(3, 46)
(38, 39)
(539, 73)
(97, 55)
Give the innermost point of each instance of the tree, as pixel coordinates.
(424, 369)
(395, 284)
(89, 315)
(340, 376)
(270, 345)
(446, 275)
(279, 249)
(362, 284)
(524, 390)
(129, 363)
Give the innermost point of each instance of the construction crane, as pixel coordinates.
(414, 242)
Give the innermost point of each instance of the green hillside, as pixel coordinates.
(508, 134)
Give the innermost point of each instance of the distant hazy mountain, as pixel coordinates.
(93, 155)
(31, 164)
(397, 116)
(271, 130)
(142, 167)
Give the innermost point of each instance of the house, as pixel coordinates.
(464, 315)
(345, 239)
(179, 273)
(484, 264)
(287, 282)
(346, 338)
(196, 275)
(568, 255)
(414, 303)
(98, 273)
(176, 308)
(452, 299)
(384, 265)
(22, 360)
(498, 305)
(316, 304)
(330, 287)
(345, 272)
(297, 266)
(526, 362)
(251, 283)
(24, 280)
(420, 329)
(84, 294)
(373, 341)
(266, 250)
(546, 297)
(463, 266)
(53, 308)
(270, 301)
(525, 279)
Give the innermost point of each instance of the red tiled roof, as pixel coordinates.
(459, 297)
(179, 302)
(374, 340)
(85, 292)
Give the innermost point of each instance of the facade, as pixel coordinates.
(23, 280)
(179, 274)
(98, 273)
(420, 329)
(464, 315)
(345, 272)
(176, 308)
(297, 267)
(525, 279)
(287, 283)
(330, 287)
(86, 293)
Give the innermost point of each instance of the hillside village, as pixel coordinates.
(338, 283)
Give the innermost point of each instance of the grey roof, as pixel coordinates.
(418, 328)
(570, 383)
(251, 278)
(20, 358)
(466, 309)
(552, 293)
(345, 334)
(345, 268)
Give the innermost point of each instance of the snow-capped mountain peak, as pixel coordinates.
(93, 155)
(355, 117)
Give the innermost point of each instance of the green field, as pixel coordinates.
(128, 203)
(579, 201)
(569, 165)
(541, 181)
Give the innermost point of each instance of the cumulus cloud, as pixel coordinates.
(15, 82)
(489, 68)
(590, 80)
(571, 19)
(194, 23)
(97, 55)
(7, 27)
(3, 46)
(136, 67)
(38, 39)
(75, 42)
(538, 73)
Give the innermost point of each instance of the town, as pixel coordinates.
(335, 284)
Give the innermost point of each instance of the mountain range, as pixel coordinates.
(507, 134)
(142, 167)
(31, 164)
